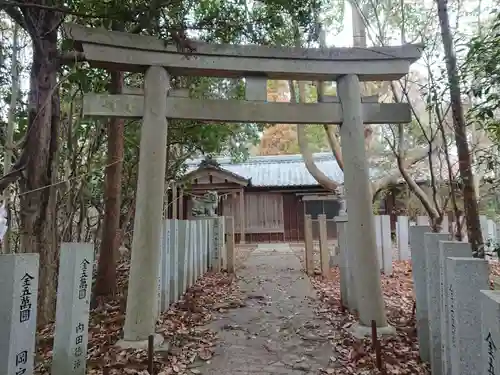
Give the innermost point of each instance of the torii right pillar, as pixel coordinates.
(359, 200)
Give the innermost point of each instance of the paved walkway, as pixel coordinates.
(277, 331)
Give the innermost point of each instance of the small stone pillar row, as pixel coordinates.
(360, 227)
(140, 317)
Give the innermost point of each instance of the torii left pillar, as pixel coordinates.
(142, 306)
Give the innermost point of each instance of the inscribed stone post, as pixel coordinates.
(72, 310)
(323, 246)
(174, 258)
(420, 286)
(466, 278)
(201, 244)
(230, 245)
(431, 244)
(217, 244)
(19, 292)
(183, 255)
(448, 249)
(160, 276)
(206, 244)
(223, 248)
(190, 252)
(309, 246)
(490, 332)
(403, 244)
(166, 267)
(385, 226)
(378, 238)
(196, 246)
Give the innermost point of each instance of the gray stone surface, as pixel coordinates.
(420, 287)
(277, 331)
(72, 310)
(165, 268)
(387, 247)
(182, 256)
(490, 332)
(431, 244)
(448, 249)
(18, 293)
(175, 235)
(192, 253)
(378, 237)
(403, 244)
(466, 278)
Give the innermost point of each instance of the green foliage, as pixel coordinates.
(483, 70)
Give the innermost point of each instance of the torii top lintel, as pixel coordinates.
(135, 53)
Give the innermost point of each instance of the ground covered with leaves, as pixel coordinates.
(187, 343)
(399, 352)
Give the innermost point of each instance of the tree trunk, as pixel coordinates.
(106, 270)
(38, 193)
(464, 157)
(9, 137)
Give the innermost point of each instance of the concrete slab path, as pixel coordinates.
(277, 332)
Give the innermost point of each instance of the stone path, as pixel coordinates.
(277, 331)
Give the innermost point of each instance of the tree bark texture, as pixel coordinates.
(39, 169)
(464, 156)
(106, 269)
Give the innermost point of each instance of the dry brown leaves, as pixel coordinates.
(400, 352)
(187, 343)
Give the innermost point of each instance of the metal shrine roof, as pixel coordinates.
(278, 170)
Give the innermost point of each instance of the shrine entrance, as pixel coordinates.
(156, 103)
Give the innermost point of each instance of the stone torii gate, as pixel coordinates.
(155, 104)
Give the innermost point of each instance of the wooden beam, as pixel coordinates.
(320, 197)
(130, 52)
(132, 106)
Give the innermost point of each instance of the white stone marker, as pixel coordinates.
(174, 259)
(166, 268)
(483, 220)
(431, 244)
(186, 261)
(422, 220)
(160, 277)
(403, 243)
(19, 292)
(420, 286)
(466, 277)
(490, 332)
(385, 226)
(344, 273)
(72, 310)
(448, 249)
(192, 254)
(445, 224)
(378, 239)
(199, 238)
(182, 256)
